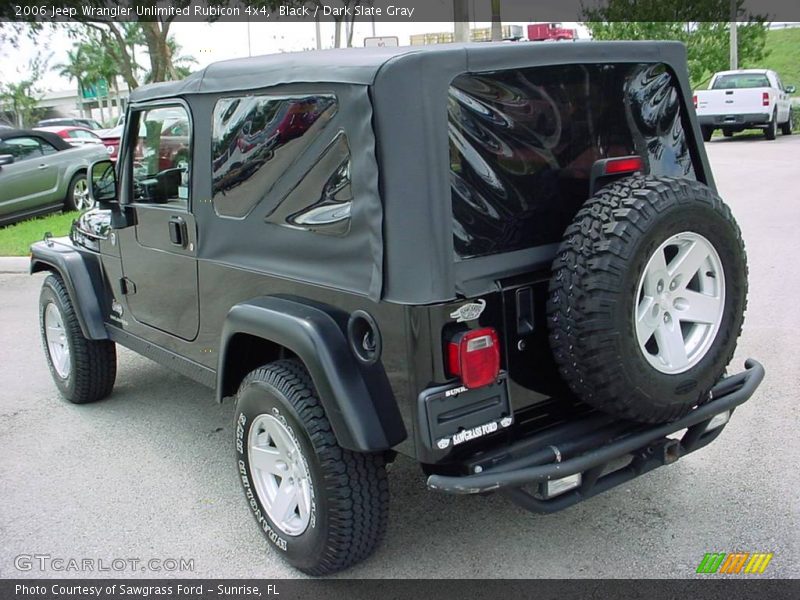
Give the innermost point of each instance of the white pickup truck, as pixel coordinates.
(745, 99)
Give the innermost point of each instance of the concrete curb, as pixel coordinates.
(14, 264)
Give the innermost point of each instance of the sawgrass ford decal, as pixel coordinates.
(465, 435)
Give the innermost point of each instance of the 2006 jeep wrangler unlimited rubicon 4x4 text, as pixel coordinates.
(507, 261)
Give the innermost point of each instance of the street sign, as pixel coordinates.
(381, 42)
(98, 89)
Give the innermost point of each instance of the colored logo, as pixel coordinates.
(737, 563)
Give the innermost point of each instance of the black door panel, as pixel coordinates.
(165, 275)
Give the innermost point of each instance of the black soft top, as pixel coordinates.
(52, 138)
(361, 66)
(393, 108)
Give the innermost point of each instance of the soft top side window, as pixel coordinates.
(254, 141)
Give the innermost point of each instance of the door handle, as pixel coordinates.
(42, 167)
(178, 233)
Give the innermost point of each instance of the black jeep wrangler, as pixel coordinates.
(507, 261)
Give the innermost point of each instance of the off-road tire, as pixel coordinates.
(786, 128)
(707, 132)
(771, 132)
(350, 490)
(93, 363)
(594, 287)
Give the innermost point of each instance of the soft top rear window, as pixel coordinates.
(523, 142)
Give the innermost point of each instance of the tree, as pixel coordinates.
(77, 68)
(22, 98)
(702, 25)
(122, 39)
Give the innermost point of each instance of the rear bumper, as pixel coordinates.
(735, 120)
(604, 452)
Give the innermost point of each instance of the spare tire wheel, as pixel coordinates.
(647, 297)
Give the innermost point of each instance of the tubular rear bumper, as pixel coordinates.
(593, 445)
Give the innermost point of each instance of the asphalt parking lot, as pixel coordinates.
(149, 473)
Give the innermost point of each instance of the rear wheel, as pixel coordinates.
(323, 507)
(647, 297)
(786, 128)
(78, 193)
(771, 132)
(727, 133)
(707, 133)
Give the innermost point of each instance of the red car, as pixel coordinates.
(110, 139)
(76, 136)
(173, 145)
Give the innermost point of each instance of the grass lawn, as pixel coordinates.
(16, 239)
(782, 46)
(781, 49)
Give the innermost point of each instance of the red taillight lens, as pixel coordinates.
(765, 99)
(474, 356)
(694, 98)
(626, 164)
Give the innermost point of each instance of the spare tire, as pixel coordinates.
(647, 297)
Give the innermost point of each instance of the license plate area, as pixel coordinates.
(452, 415)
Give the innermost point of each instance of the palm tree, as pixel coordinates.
(75, 68)
(22, 99)
(103, 67)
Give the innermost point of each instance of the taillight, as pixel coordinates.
(694, 98)
(765, 99)
(626, 164)
(474, 356)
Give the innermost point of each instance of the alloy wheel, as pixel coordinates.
(680, 303)
(57, 343)
(280, 474)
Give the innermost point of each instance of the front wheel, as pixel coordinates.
(324, 508)
(647, 297)
(83, 370)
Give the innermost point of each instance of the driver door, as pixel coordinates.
(159, 251)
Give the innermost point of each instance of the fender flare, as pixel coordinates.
(357, 399)
(67, 262)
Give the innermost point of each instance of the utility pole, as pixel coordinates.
(461, 20)
(497, 28)
(734, 43)
(249, 46)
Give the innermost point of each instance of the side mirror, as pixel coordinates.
(6, 159)
(790, 89)
(103, 183)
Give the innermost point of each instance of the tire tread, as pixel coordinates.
(587, 274)
(355, 483)
(95, 361)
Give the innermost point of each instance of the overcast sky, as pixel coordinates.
(211, 42)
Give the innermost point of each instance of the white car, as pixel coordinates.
(745, 99)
